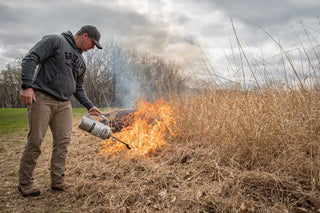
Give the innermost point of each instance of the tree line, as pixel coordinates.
(116, 77)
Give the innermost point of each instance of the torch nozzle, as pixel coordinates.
(117, 139)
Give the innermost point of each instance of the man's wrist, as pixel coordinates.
(24, 86)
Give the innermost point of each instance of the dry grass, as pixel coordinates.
(237, 152)
(262, 148)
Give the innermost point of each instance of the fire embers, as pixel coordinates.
(144, 129)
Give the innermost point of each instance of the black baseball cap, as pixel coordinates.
(93, 33)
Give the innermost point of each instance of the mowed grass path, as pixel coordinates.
(13, 120)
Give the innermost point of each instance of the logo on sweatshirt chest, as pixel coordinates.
(74, 61)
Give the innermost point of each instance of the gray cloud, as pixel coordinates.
(23, 23)
(55, 18)
(172, 29)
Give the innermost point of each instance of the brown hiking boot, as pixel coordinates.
(30, 189)
(61, 186)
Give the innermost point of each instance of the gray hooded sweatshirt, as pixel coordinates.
(61, 68)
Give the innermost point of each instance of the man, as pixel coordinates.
(60, 73)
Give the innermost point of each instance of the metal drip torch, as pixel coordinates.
(98, 129)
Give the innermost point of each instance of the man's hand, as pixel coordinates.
(95, 111)
(27, 96)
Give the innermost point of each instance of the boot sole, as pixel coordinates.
(34, 194)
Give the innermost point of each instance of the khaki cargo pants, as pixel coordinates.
(47, 111)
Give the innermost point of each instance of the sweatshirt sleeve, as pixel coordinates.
(80, 93)
(38, 53)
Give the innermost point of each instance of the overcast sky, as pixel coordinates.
(182, 30)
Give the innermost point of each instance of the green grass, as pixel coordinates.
(79, 112)
(13, 120)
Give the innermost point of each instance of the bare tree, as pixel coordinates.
(160, 79)
(105, 70)
(10, 85)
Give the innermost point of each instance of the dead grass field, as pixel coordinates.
(236, 152)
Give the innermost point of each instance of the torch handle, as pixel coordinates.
(114, 138)
(102, 116)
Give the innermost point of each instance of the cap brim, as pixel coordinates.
(97, 44)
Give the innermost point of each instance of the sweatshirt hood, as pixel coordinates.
(69, 37)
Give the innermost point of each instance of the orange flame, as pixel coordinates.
(151, 123)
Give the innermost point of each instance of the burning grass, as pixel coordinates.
(144, 129)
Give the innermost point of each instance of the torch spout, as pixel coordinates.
(117, 139)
